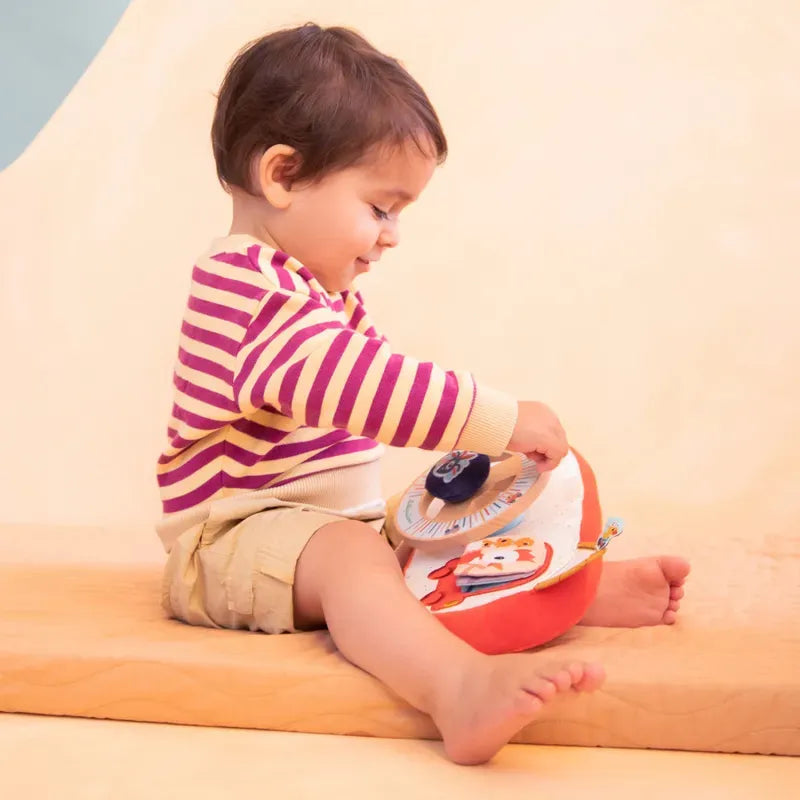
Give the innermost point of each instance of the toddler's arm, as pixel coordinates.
(299, 358)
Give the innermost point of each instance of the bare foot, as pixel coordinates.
(481, 707)
(641, 591)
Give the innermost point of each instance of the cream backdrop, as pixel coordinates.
(613, 233)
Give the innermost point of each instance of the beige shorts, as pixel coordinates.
(235, 569)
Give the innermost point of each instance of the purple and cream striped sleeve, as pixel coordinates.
(300, 358)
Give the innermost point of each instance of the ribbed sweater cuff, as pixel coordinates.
(491, 422)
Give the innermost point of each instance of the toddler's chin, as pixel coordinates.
(341, 285)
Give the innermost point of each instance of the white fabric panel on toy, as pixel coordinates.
(538, 548)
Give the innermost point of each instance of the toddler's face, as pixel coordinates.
(341, 224)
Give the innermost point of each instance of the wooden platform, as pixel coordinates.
(88, 639)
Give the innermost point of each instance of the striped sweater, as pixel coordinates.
(276, 380)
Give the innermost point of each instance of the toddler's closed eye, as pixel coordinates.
(380, 213)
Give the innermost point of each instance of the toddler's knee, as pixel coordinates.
(352, 533)
(349, 542)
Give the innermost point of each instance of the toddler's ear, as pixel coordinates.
(275, 172)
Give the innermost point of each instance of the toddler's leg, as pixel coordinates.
(348, 579)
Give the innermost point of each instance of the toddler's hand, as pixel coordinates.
(538, 434)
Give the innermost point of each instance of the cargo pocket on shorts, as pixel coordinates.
(247, 542)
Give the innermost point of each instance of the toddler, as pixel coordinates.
(286, 393)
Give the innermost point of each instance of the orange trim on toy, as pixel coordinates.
(562, 576)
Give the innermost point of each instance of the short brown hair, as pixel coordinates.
(326, 92)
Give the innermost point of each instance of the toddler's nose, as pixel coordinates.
(390, 235)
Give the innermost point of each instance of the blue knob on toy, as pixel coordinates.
(458, 476)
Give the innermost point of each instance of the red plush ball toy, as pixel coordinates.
(506, 557)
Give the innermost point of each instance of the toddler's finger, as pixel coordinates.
(544, 462)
